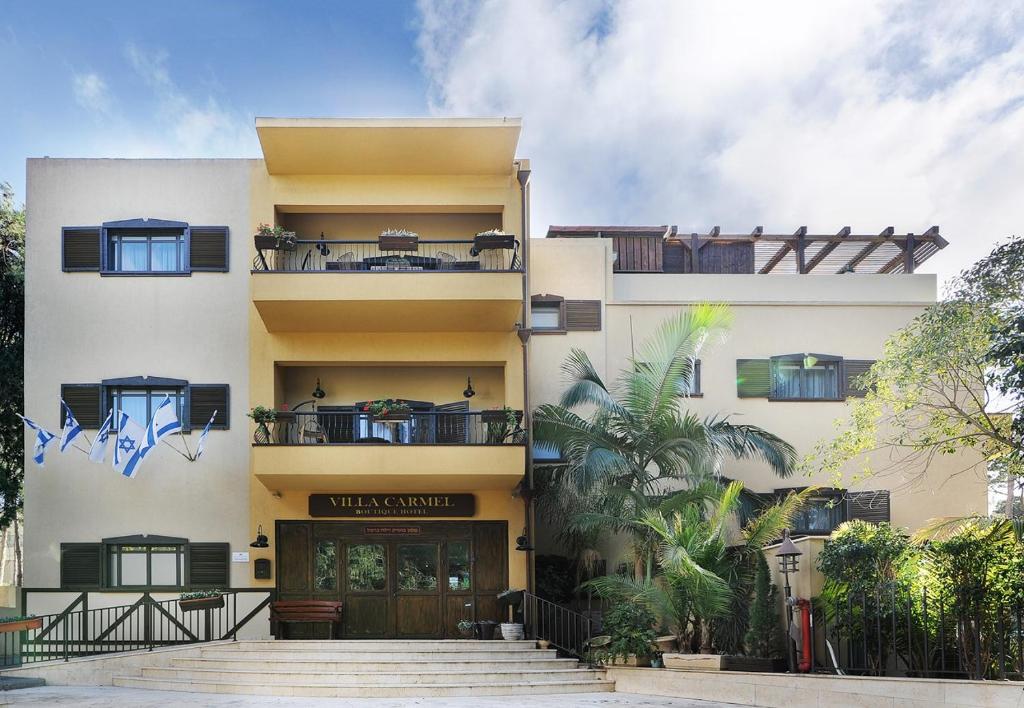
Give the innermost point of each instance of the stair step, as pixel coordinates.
(362, 678)
(361, 645)
(347, 664)
(369, 655)
(322, 690)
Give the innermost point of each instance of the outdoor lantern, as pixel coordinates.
(810, 361)
(523, 542)
(469, 392)
(261, 539)
(788, 554)
(318, 392)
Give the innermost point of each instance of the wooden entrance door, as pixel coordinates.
(417, 586)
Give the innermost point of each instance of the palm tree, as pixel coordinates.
(634, 438)
(699, 555)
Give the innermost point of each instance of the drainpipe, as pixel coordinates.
(524, 337)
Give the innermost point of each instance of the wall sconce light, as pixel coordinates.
(523, 542)
(469, 392)
(318, 392)
(810, 361)
(261, 539)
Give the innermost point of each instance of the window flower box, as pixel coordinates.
(192, 604)
(19, 624)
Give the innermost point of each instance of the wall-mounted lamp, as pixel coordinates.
(523, 542)
(261, 539)
(810, 361)
(318, 392)
(469, 392)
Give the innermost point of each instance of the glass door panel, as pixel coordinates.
(367, 602)
(417, 592)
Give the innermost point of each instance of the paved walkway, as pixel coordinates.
(83, 697)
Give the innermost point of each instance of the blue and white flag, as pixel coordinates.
(71, 428)
(129, 447)
(43, 438)
(165, 421)
(99, 446)
(202, 437)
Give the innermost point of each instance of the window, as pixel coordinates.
(547, 313)
(146, 566)
(139, 403)
(544, 452)
(806, 377)
(821, 514)
(153, 252)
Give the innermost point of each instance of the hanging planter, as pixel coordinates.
(205, 600)
(274, 238)
(20, 624)
(388, 409)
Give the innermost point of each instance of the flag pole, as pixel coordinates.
(181, 432)
(177, 450)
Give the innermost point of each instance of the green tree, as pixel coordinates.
(12, 331)
(634, 440)
(932, 393)
(764, 639)
(698, 551)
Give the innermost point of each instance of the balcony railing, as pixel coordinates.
(369, 257)
(427, 428)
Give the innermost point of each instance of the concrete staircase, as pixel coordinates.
(373, 668)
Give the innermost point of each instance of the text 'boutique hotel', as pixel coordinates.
(395, 321)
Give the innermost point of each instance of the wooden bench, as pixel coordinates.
(284, 611)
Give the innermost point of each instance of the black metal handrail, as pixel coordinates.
(566, 629)
(418, 428)
(79, 630)
(340, 256)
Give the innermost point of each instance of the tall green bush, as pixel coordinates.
(764, 639)
(631, 628)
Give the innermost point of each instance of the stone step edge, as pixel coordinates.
(491, 684)
(373, 673)
(509, 660)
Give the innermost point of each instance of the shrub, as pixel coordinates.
(631, 628)
(764, 639)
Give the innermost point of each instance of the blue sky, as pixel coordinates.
(248, 58)
(867, 113)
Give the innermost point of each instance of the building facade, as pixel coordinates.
(401, 269)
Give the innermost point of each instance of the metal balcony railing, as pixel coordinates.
(372, 257)
(427, 428)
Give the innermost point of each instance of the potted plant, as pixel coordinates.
(200, 600)
(764, 640)
(630, 628)
(492, 239)
(262, 416)
(511, 631)
(389, 409)
(20, 623)
(274, 238)
(500, 422)
(465, 627)
(484, 629)
(543, 643)
(398, 240)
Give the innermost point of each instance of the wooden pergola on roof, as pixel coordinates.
(799, 252)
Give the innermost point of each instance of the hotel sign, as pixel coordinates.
(391, 505)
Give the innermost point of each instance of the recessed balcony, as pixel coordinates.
(437, 450)
(376, 285)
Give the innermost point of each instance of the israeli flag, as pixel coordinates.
(71, 428)
(202, 437)
(43, 438)
(165, 421)
(129, 447)
(99, 446)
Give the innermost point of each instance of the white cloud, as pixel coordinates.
(740, 114)
(91, 92)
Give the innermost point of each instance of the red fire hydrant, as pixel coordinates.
(804, 607)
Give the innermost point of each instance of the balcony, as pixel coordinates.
(428, 451)
(372, 286)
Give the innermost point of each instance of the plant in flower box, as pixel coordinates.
(20, 623)
(200, 600)
(274, 238)
(262, 416)
(388, 409)
(500, 422)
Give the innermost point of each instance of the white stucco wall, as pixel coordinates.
(82, 327)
